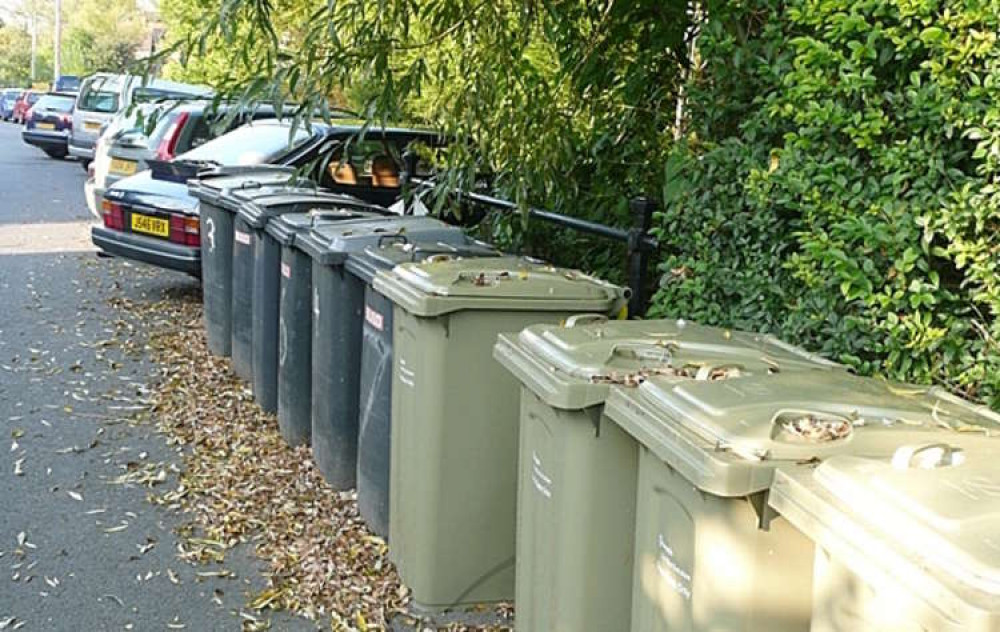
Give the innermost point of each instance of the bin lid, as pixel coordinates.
(433, 288)
(215, 186)
(257, 210)
(728, 435)
(329, 244)
(573, 365)
(366, 263)
(284, 228)
(927, 515)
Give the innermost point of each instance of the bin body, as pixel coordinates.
(216, 210)
(903, 543)
(265, 272)
(375, 394)
(577, 470)
(710, 554)
(454, 417)
(338, 303)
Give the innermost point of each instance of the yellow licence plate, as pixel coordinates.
(45, 125)
(150, 225)
(91, 126)
(124, 167)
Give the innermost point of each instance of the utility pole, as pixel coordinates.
(57, 54)
(34, 42)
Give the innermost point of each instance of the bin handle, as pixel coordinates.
(585, 319)
(644, 352)
(250, 184)
(903, 457)
(403, 239)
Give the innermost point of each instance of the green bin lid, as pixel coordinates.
(927, 515)
(367, 263)
(572, 366)
(503, 283)
(257, 210)
(728, 435)
(329, 244)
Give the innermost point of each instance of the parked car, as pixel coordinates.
(48, 122)
(66, 83)
(338, 157)
(27, 99)
(177, 127)
(7, 100)
(102, 95)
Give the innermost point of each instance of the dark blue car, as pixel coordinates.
(7, 100)
(48, 123)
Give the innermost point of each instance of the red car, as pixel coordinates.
(21, 107)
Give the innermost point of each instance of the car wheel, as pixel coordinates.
(86, 165)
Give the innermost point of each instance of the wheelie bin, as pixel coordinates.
(905, 541)
(294, 325)
(256, 272)
(217, 211)
(455, 415)
(374, 405)
(338, 302)
(577, 470)
(710, 553)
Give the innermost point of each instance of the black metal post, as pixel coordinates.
(406, 179)
(638, 253)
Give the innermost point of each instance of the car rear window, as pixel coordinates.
(98, 95)
(249, 145)
(52, 102)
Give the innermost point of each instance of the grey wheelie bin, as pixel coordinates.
(577, 470)
(455, 415)
(256, 323)
(904, 542)
(295, 325)
(374, 431)
(338, 302)
(710, 554)
(217, 212)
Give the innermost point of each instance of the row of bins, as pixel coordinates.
(512, 438)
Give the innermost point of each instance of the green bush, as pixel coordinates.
(837, 184)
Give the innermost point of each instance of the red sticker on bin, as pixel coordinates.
(241, 237)
(374, 318)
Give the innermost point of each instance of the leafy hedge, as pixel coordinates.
(838, 184)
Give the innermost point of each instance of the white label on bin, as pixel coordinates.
(241, 237)
(286, 270)
(316, 302)
(542, 483)
(406, 376)
(374, 318)
(676, 577)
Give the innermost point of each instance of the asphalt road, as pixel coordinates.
(79, 549)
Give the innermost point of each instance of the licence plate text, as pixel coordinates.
(45, 125)
(125, 167)
(150, 225)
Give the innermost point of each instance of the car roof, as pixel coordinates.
(350, 127)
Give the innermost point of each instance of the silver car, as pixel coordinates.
(102, 95)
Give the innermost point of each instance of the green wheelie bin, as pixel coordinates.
(455, 415)
(710, 552)
(577, 470)
(906, 541)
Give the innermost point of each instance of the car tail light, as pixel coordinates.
(185, 230)
(113, 215)
(168, 145)
(67, 119)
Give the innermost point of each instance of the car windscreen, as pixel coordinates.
(68, 84)
(32, 98)
(98, 95)
(249, 145)
(56, 103)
